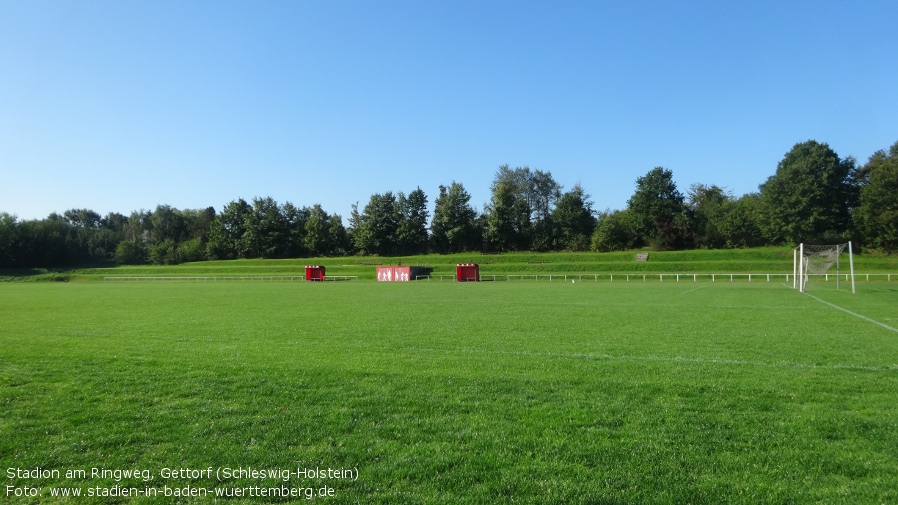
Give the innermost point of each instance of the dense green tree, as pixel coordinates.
(191, 250)
(615, 231)
(374, 229)
(164, 253)
(740, 225)
(114, 221)
(76, 236)
(228, 229)
(266, 229)
(78, 226)
(131, 252)
(877, 216)
(509, 212)
(167, 234)
(810, 197)
(319, 238)
(659, 211)
(9, 240)
(82, 218)
(533, 190)
(573, 220)
(198, 222)
(708, 206)
(411, 232)
(167, 224)
(267, 232)
(138, 226)
(537, 188)
(813, 196)
(44, 243)
(508, 226)
(454, 227)
(101, 244)
(355, 226)
(110, 233)
(295, 220)
(543, 196)
(134, 248)
(339, 238)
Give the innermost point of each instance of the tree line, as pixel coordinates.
(814, 196)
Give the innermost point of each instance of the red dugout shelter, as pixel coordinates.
(467, 272)
(314, 273)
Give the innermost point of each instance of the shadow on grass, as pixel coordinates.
(32, 275)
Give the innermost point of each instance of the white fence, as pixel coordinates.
(441, 278)
(744, 277)
(245, 278)
(741, 277)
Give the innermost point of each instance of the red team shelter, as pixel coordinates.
(467, 272)
(314, 273)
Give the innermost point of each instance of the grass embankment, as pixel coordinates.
(761, 260)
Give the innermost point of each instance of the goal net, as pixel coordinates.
(817, 261)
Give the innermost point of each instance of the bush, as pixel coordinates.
(192, 250)
(164, 253)
(614, 232)
(131, 252)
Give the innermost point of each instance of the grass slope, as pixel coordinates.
(459, 393)
(761, 260)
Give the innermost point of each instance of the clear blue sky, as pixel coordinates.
(123, 105)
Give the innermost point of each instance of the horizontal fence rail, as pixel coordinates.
(231, 278)
(743, 277)
(441, 278)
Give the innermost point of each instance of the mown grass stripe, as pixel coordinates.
(664, 359)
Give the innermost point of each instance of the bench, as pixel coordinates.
(642, 257)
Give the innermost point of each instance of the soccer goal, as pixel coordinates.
(810, 260)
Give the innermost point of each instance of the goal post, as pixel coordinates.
(817, 260)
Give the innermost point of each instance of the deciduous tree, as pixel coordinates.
(740, 226)
(374, 229)
(658, 210)
(709, 206)
(320, 238)
(508, 219)
(877, 215)
(453, 228)
(532, 193)
(615, 231)
(411, 232)
(810, 197)
(267, 232)
(573, 221)
(226, 238)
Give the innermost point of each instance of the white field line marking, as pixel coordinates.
(694, 289)
(661, 359)
(865, 318)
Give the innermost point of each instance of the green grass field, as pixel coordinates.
(513, 392)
